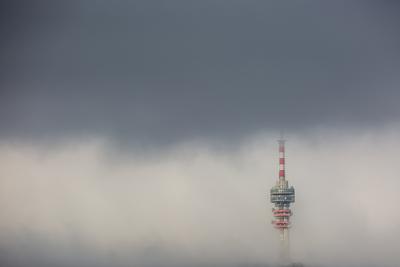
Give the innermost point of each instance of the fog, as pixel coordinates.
(82, 202)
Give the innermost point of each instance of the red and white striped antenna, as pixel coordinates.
(281, 142)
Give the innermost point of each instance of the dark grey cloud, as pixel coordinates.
(164, 71)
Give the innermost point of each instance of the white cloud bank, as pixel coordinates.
(80, 202)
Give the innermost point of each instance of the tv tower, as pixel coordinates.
(282, 196)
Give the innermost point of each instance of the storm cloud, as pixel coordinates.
(157, 72)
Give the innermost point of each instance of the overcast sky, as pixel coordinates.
(165, 71)
(83, 81)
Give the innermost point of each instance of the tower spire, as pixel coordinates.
(281, 159)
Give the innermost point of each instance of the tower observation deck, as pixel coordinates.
(282, 195)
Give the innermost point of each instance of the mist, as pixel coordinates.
(82, 202)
